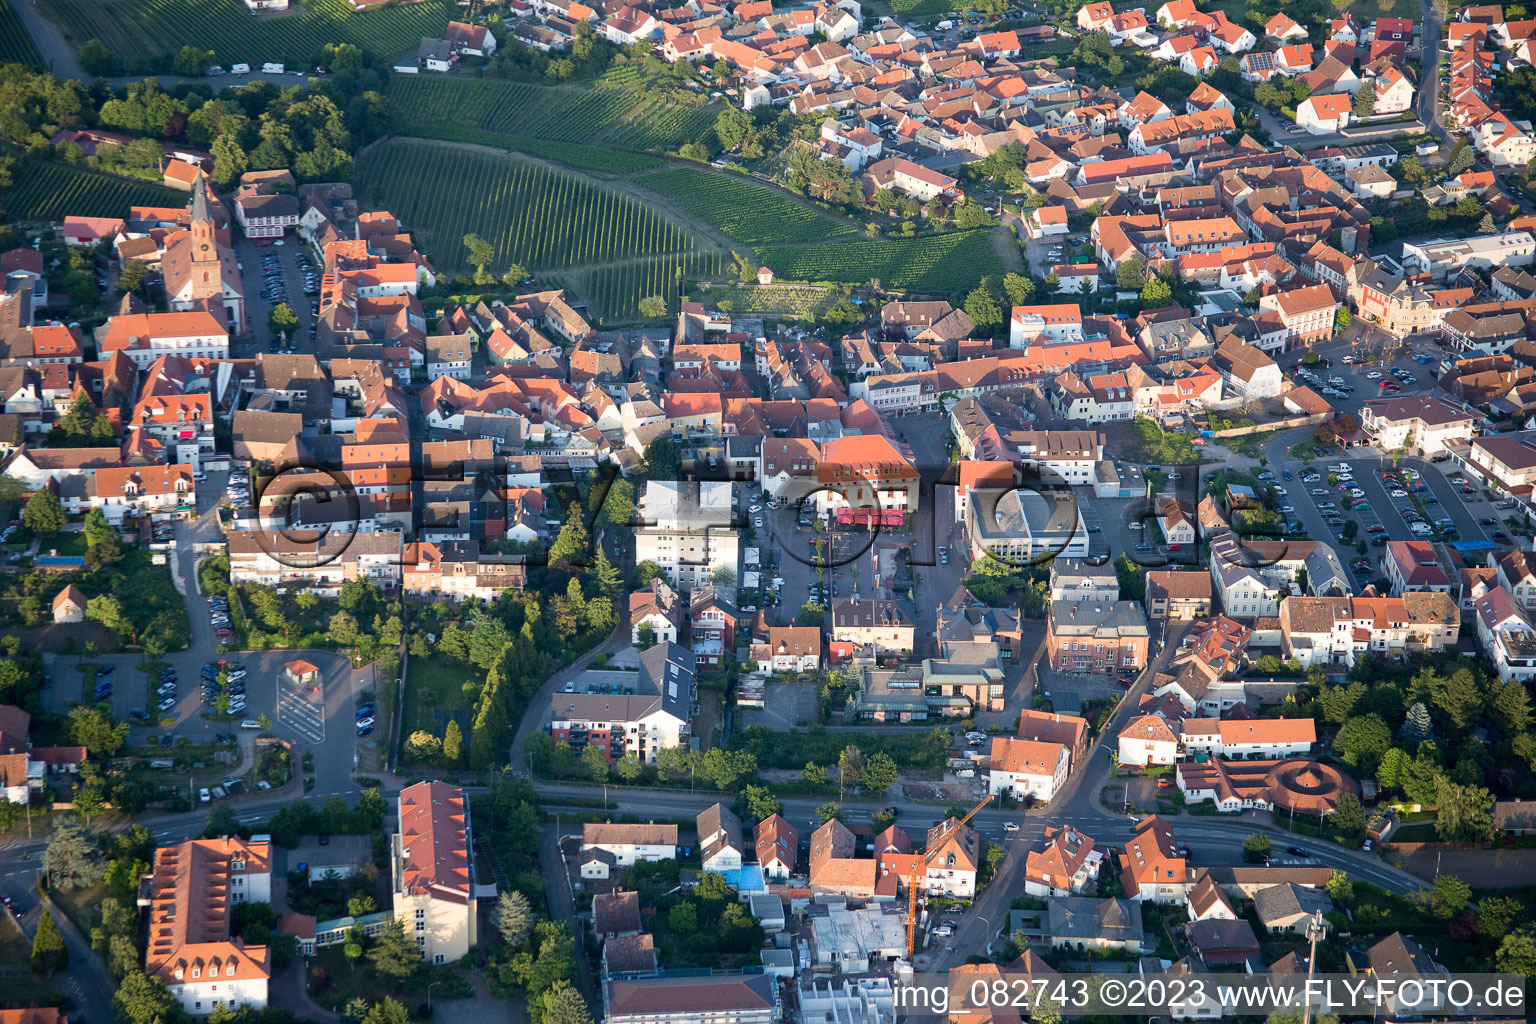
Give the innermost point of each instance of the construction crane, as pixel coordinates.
(920, 871)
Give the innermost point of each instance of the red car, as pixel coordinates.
(1173, 547)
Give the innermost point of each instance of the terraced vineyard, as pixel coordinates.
(621, 111)
(614, 293)
(15, 44)
(148, 33)
(934, 265)
(748, 212)
(534, 215)
(48, 191)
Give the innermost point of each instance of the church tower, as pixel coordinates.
(207, 274)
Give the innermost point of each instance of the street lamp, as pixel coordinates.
(429, 994)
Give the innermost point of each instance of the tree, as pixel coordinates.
(453, 742)
(514, 918)
(1448, 896)
(1361, 742)
(282, 320)
(684, 918)
(96, 60)
(1511, 706)
(1365, 101)
(1156, 293)
(1517, 953)
(92, 727)
(1392, 769)
(653, 307)
(850, 767)
(972, 215)
(192, 62)
(826, 812)
(760, 803)
(1496, 915)
(480, 253)
(1486, 225)
(1417, 725)
(982, 308)
(1256, 848)
(343, 628)
(140, 999)
(49, 954)
(1460, 697)
(387, 1012)
(43, 513)
(1461, 157)
(1465, 813)
(516, 274)
(733, 127)
(1342, 319)
(1131, 275)
(229, 160)
(813, 773)
(394, 954)
(880, 772)
(1338, 702)
(562, 1004)
(1019, 290)
(1411, 169)
(1349, 816)
(72, 858)
(595, 763)
(1340, 889)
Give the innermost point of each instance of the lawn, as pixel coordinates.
(747, 211)
(942, 265)
(1149, 444)
(147, 35)
(434, 692)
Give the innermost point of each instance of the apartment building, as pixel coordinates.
(432, 871)
(1171, 594)
(1332, 631)
(733, 999)
(636, 713)
(190, 895)
(1506, 635)
(1027, 769)
(1073, 579)
(1021, 527)
(1064, 864)
(1098, 637)
(1308, 313)
(688, 530)
(1153, 866)
(320, 564)
(1505, 462)
(878, 623)
(1427, 423)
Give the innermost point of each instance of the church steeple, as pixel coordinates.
(204, 242)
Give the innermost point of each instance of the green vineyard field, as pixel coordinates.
(531, 214)
(47, 191)
(934, 265)
(750, 213)
(148, 33)
(614, 293)
(15, 44)
(616, 112)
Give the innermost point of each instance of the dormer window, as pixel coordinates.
(197, 972)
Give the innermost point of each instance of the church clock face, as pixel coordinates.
(205, 247)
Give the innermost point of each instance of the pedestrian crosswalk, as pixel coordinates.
(300, 715)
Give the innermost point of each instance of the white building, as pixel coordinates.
(1424, 422)
(432, 871)
(689, 530)
(1027, 768)
(189, 895)
(1443, 257)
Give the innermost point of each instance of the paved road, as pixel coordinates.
(1429, 69)
(59, 56)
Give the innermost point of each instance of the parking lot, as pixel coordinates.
(1044, 253)
(272, 275)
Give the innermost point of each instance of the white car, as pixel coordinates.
(1287, 509)
(1373, 375)
(1398, 492)
(1135, 526)
(754, 508)
(204, 795)
(1010, 826)
(758, 522)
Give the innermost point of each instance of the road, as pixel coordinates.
(59, 56)
(1429, 70)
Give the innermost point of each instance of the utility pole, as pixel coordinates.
(1314, 931)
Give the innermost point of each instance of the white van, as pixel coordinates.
(240, 69)
(250, 723)
(162, 764)
(271, 69)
